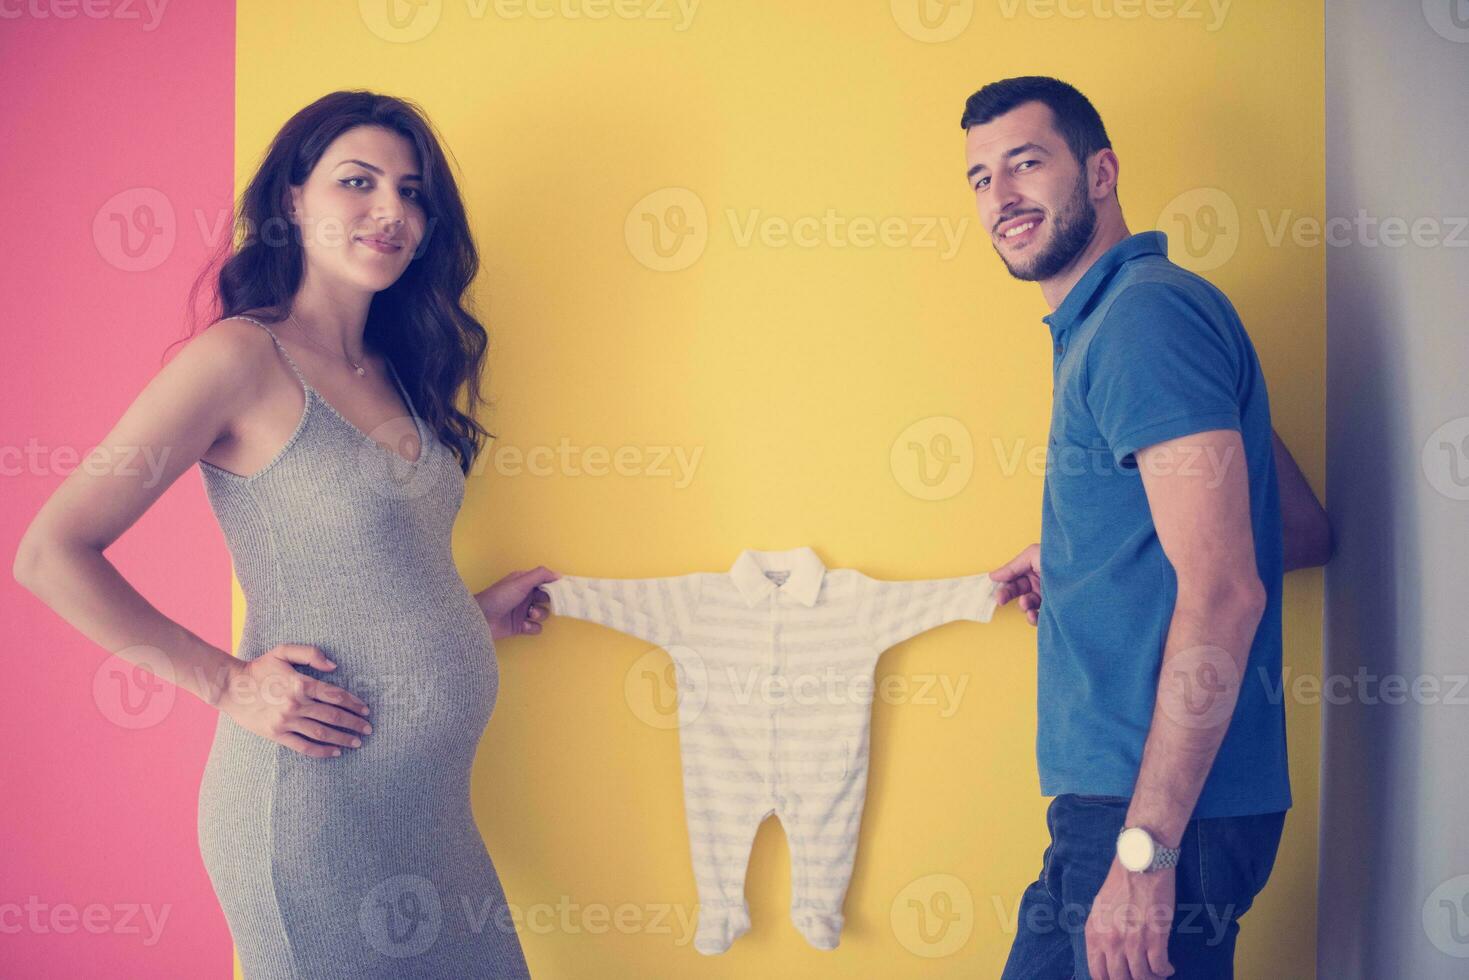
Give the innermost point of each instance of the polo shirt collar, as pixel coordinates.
(803, 583)
(1064, 317)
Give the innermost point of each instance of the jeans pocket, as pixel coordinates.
(1052, 888)
(1236, 856)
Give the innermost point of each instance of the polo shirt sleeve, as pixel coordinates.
(652, 609)
(1158, 369)
(892, 612)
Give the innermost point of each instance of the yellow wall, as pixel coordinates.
(793, 370)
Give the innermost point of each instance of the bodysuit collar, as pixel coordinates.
(803, 582)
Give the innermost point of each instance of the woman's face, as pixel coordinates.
(360, 210)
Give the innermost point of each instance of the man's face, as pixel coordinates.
(1030, 191)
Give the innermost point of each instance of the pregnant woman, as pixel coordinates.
(334, 812)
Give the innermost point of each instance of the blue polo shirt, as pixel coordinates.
(1145, 351)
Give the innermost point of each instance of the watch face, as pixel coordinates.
(1135, 849)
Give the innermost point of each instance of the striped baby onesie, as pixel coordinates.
(774, 663)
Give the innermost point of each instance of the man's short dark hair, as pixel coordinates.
(1075, 118)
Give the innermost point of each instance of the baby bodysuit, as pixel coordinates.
(774, 664)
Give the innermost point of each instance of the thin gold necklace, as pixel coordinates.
(359, 368)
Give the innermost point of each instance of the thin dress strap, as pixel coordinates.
(412, 409)
(278, 344)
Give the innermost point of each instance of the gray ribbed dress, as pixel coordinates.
(368, 864)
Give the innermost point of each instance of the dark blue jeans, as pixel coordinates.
(1223, 864)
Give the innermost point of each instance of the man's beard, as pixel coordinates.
(1072, 229)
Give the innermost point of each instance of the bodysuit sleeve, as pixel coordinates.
(892, 612)
(652, 609)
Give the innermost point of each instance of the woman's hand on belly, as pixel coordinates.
(516, 605)
(269, 697)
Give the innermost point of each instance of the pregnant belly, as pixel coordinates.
(430, 680)
(410, 773)
(278, 826)
(427, 671)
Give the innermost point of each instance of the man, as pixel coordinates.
(1163, 542)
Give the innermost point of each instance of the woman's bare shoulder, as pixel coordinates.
(232, 337)
(231, 355)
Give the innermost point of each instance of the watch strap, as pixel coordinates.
(1164, 857)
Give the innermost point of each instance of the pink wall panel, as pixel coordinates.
(118, 124)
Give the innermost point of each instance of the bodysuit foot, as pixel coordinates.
(719, 928)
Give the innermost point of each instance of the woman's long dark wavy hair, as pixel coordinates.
(421, 322)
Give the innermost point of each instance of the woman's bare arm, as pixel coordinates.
(174, 420)
(1304, 525)
(180, 413)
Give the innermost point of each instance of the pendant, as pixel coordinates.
(360, 372)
